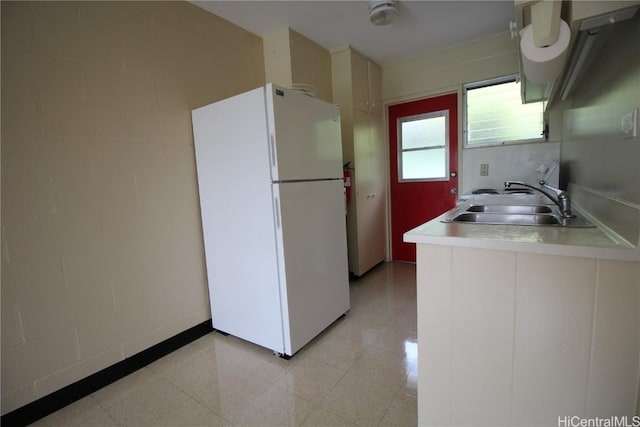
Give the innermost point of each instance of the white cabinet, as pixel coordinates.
(356, 88)
(515, 338)
(370, 191)
(366, 84)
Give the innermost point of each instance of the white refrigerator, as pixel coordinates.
(269, 164)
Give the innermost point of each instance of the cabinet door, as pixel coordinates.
(377, 240)
(360, 82)
(370, 193)
(362, 152)
(375, 86)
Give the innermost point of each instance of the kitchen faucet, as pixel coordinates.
(561, 197)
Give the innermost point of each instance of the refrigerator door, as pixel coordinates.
(312, 257)
(304, 136)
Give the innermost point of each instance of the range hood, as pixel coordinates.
(586, 19)
(589, 30)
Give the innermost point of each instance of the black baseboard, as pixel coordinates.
(59, 399)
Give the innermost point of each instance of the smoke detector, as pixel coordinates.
(383, 12)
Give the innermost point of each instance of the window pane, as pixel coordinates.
(423, 164)
(496, 114)
(427, 132)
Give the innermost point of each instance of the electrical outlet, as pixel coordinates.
(484, 169)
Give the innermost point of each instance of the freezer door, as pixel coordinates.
(312, 252)
(305, 139)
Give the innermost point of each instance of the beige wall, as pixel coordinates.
(102, 251)
(598, 161)
(446, 70)
(311, 64)
(277, 57)
(291, 58)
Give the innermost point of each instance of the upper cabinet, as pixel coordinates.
(366, 84)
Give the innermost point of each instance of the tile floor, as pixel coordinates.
(361, 371)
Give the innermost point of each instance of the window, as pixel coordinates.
(423, 147)
(495, 114)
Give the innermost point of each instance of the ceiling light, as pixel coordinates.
(382, 12)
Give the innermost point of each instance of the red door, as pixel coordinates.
(423, 137)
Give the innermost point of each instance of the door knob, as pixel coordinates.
(453, 190)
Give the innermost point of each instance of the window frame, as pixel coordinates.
(492, 82)
(433, 114)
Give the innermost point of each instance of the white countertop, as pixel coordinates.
(595, 242)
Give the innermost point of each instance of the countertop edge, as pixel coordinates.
(614, 254)
(507, 238)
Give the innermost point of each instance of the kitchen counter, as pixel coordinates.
(523, 325)
(593, 242)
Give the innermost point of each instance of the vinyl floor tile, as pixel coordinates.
(83, 412)
(311, 379)
(337, 351)
(192, 413)
(360, 401)
(321, 417)
(275, 407)
(403, 412)
(383, 367)
(154, 402)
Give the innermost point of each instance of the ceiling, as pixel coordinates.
(421, 26)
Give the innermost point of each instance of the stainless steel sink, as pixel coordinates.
(511, 209)
(507, 218)
(512, 214)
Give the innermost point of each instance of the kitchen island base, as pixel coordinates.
(517, 338)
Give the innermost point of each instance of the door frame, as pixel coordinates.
(401, 100)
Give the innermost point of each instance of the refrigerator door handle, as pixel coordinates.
(277, 207)
(273, 150)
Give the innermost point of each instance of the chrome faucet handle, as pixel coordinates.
(555, 190)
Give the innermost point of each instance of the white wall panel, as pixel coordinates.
(554, 308)
(483, 294)
(615, 354)
(434, 334)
